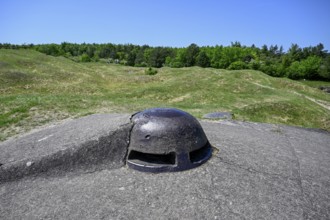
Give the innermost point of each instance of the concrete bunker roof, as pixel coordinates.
(257, 171)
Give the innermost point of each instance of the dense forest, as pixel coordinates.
(296, 63)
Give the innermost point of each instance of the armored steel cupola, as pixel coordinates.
(165, 140)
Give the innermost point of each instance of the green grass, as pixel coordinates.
(315, 84)
(36, 89)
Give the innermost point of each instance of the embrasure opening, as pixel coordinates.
(153, 158)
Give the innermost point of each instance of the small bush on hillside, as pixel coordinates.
(255, 65)
(276, 70)
(151, 71)
(85, 58)
(96, 58)
(238, 65)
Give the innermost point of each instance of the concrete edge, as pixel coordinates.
(107, 151)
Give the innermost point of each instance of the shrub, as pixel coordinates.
(238, 65)
(276, 69)
(295, 71)
(255, 65)
(85, 58)
(151, 71)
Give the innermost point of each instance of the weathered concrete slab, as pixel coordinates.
(81, 142)
(259, 171)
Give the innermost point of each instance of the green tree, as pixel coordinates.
(295, 52)
(305, 69)
(156, 58)
(236, 44)
(325, 68)
(217, 54)
(139, 60)
(230, 55)
(131, 58)
(191, 55)
(311, 67)
(179, 58)
(203, 60)
(168, 61)
(105, 52)
(319, 51)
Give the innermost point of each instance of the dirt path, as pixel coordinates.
(322, 103)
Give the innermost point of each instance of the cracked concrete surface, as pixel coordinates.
(90, 143)
(259, 171)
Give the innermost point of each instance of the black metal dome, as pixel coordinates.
(165, 140)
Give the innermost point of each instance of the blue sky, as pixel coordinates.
(175, 23)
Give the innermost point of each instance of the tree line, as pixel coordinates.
(311, 62)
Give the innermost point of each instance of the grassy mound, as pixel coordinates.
(36, 89)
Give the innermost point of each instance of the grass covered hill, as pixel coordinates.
(36, 89)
